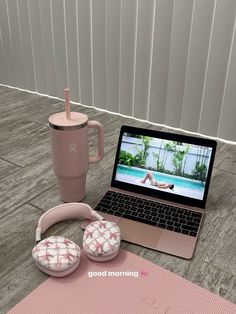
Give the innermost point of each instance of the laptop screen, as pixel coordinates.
(172, 166)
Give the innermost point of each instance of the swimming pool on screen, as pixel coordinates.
(183, 186)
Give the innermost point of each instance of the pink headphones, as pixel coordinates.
(58, 256)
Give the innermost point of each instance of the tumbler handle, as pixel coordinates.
(100, 151)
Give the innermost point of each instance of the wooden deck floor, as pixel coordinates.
(28, 187)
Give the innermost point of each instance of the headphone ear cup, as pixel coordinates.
(101, 240)
(56, 256)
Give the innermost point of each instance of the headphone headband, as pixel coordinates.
(64, 212)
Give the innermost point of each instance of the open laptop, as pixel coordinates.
(159, 189)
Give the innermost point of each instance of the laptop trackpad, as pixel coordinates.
(137, 232)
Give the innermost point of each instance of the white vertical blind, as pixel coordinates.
(112, 52)
(143, 57)
(160, 60)
(99, 47)
(217, 66)
(58, 29)
(127, 55)
(7, 68)
(85, 40)
(37, 45)
(72, 48)
(227, 118)
(202, 22)
(171, 62)
(180, 35)
(16, 43)
(47, 47)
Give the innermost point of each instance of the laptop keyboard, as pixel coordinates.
(153, 213)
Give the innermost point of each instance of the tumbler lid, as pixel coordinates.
(59, 121)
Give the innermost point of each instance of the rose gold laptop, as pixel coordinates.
(159, 189)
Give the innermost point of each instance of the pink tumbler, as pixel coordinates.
(70, 150)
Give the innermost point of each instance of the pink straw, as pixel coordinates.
(67, 103)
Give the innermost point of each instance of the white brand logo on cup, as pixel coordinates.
(72, 148)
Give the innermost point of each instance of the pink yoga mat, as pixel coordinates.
(137, 286)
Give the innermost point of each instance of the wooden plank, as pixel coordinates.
(221, 196)
(24, 218)
(25, 183)
(19, 275)
(14, 95)
(224, 244)
(36, 108)
(19, 283)
(4, 89)
(28, 151)
(6, 168)
(226, 158)
(215, 279)
(24, 277)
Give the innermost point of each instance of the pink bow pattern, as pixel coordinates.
(101, 238)
(56, 253)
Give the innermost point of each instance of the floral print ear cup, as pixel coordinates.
(56, 256)
(101, 240)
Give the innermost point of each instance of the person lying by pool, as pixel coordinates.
(149, 176)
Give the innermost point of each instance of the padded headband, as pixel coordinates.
(64, 212)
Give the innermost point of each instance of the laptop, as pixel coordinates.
(159, 189)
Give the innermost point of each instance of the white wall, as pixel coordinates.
(168, 61)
